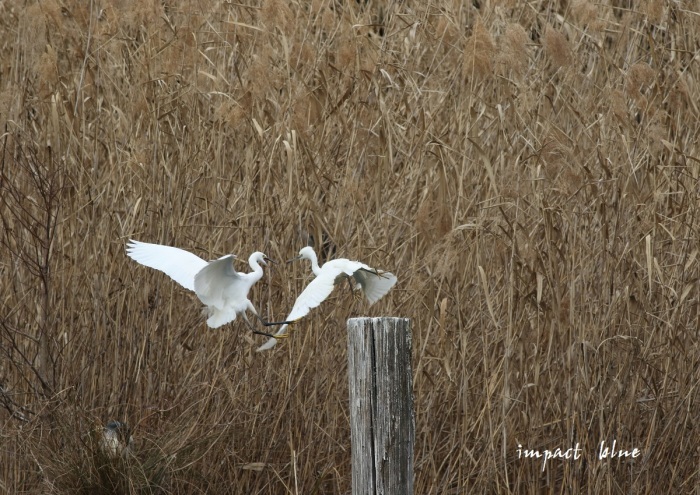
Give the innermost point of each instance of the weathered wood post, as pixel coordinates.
(382, 421)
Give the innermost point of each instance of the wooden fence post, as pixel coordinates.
(382, 420)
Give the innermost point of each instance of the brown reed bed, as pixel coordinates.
(528, 170)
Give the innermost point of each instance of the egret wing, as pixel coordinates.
(222, 289)
(218, 282)
(375, 284)
(178, 264)
(312, 296)
(343, 268)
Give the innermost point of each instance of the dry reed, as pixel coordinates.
(544, 225)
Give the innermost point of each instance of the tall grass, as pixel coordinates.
(528, 170)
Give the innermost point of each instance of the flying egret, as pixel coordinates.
(217, 284)
(373, 283)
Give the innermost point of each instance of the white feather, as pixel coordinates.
(217, 284)
(374, 285)
(178, 264)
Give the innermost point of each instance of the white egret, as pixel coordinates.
(217, 284)
(373, 283)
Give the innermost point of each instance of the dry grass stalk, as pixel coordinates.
(544, 230)
(557, 47)
(514, 54)
(478, 53)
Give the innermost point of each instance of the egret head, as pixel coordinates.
(258, 257)
(305, 253)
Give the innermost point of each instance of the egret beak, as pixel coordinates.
(294, 259)
(270, 260)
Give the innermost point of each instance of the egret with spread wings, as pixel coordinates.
(217, 284)
(373, 283)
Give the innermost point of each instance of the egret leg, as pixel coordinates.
(271, 323)
(252, 328)
(252, 309)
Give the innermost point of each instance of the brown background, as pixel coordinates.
(528, 170)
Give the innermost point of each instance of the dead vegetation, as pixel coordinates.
(528, 170)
